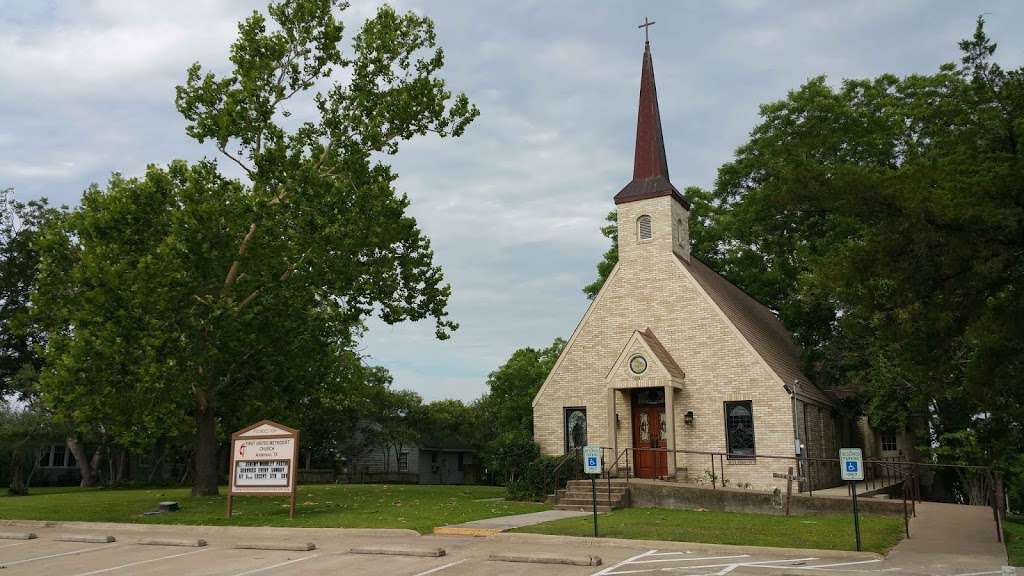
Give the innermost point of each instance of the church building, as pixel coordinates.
(671, 355)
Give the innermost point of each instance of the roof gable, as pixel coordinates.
(659, 361)
(759, 326)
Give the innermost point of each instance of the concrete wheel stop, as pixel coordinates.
(399, 551)
(188, 542)
(18, 535)
(581, 560)
(290, 546)
(87, 538)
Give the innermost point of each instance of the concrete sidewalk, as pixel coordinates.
(491, 526)
(951, 537)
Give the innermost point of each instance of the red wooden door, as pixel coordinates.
(649, 431)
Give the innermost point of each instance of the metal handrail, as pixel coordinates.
(557, 473)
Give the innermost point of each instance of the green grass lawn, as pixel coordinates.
(412, 506)
(832, 532)
(1014, 530)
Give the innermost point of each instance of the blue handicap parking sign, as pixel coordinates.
(591, 461)
(851, 466)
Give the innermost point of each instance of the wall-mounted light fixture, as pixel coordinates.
(688, 418)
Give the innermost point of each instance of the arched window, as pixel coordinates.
(643, 225)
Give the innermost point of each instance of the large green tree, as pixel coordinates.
(231, 297)
(883, 219)
(505, 411)
(21, 224)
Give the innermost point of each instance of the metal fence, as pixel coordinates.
(903, 479)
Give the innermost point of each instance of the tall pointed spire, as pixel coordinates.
(649, 159)
(650, 165)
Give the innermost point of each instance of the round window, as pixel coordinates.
(638, 364)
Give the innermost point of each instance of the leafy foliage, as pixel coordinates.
(20, 226)
(190, 295)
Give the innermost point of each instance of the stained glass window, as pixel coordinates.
(739, 429)
(575, 429)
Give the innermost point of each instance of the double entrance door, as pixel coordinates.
(650, 432)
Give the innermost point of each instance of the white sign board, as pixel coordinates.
(261, 473)
(851, 464)
(592, 459)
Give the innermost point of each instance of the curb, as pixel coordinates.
(17, 535)
(304, 547)
(662, 544)
(399, 551)
(464, 531)
(86, 538)
(547, 559)
(190, 543)
(204, 529)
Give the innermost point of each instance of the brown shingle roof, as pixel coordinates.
(759, 326)
(662, 353)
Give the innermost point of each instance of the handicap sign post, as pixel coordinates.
(851, 466)
(592, 466)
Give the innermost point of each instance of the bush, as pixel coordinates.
(509, 454)
(534, 480)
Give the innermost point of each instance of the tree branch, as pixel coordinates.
(233, 271)
(242, 165)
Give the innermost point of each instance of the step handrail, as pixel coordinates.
(558, 468)
(608, 475)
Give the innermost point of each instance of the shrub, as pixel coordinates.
(534, 480)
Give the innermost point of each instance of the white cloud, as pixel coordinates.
(513, 207)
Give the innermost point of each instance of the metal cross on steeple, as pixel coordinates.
(646, 26)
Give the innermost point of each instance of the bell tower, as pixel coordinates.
(653, 215)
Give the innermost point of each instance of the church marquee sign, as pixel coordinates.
(264, 460)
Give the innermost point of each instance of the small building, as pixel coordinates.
(672, 361)
(427, 463)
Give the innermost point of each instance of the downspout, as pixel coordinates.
(797, 444)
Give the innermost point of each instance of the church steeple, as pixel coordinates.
(650, 165)
(653, 216)
(649, 158)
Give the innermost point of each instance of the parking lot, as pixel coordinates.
(339, 551)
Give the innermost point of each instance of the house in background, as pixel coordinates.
(426, 463)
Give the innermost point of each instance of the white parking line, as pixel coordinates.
(609, 569)
(17, 544)
(265, 568)
(79, 551)
(822, 566)
(726, 567)
(690, 559)
(439, 568)
(140, 562)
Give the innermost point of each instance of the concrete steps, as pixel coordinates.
(578, 495)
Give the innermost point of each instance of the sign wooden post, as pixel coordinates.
(264, 460)
(789, 488)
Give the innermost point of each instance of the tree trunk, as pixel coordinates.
(18, 486)
(86, 466)
(204, 483)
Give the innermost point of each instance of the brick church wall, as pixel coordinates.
(650, 288)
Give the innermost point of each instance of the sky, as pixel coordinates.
(514, 207)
